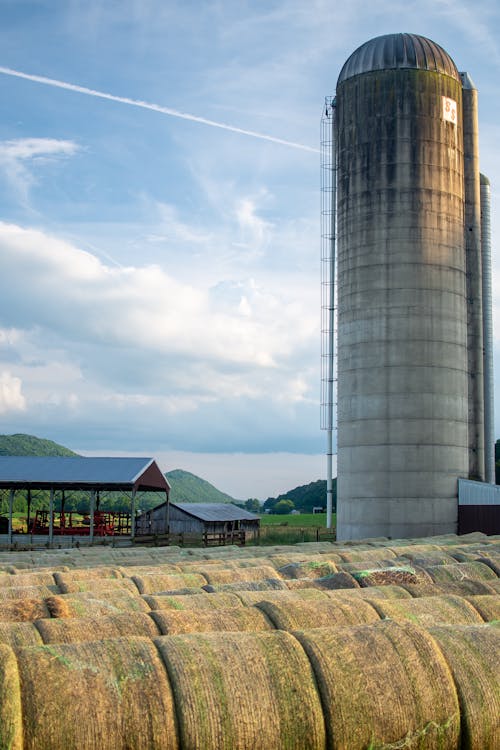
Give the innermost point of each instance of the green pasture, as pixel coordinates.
(302, 520)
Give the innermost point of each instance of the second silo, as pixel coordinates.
(402, 308)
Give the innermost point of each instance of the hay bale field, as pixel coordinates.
(487, 606)
(308, 569)
(457, 588)
(290, 615)
(243, 690)
(372, 592)
(27, 592)
(23, 610)
(473, 655)
(111, 695)
(236, 619)
(83, 574)
(193, 601)
(98, 585)
(237, 575)
(82, 629)
(427, 611)
(87, 604)
(153, 583)
(271, 584)
(384, 685)
(28, 579)
(11, 730)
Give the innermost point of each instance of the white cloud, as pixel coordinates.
(18, 159)
(11, 396)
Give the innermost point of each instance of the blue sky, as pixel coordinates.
(160, 276)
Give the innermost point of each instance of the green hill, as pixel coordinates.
(29, 445)
(306, 497)
(188, 488)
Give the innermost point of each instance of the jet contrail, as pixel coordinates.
(148, 105)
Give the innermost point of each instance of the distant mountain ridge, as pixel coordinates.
(29, 445)
(188, 488)
(306, 497)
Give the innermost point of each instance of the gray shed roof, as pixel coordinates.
(44, 472)
(216, 511)
(398, 51)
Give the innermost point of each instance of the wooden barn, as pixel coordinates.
(222, 520)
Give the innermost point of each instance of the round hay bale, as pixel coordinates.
(341, 580)
(308, 569)
(111, 694)
(26, 592)
(384, 685)
(82, 629)
(427, 611)
(488, 606)
(410, 551)
(17, 634)
(243, 690)
(375, 553)
(457, 588)
(293, 615)
(28, 579)
(426, 561)
(492, 562)
(173, 622)
(348, 567)
(153, 583)
(279, 561)
(86, 604)
(235, 575)
(23, 610)
(396, 576)
(146, 570)
(83, 574)
(372, 592)
(473, 655)
(11, 727)
(273, 584)
(98, 585)
(249, 598)
(473, 571)
(495, 585)
(194, 601)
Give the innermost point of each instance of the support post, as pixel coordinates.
(132, 515)
(11, 512)
(92, 507)
(29, 510)
(51, 517)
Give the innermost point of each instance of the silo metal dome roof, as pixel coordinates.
(398, 51)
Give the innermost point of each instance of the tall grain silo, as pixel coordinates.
(407, 224)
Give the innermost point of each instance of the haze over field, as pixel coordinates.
(159, 232)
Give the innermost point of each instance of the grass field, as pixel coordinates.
(301, 521)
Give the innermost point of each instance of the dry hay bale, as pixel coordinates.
(375, 553)
(473, 655)
(16, 634)
(493, 562)
(293, 615)
(235, 575)
(488, 606)
(173, 622)
(372, 592)
(334, 581)
(384, 685)
(348, 567)
(26, 592)
(98, 585)
(428, 611)
(243, 690)
(23, 610)
(252, 597)
(272, 584)
(308, 569)
(457, 588)
(398, 576)
(495, 585)
(410, 551)
(82, 574)
(425, 561)
(278, 561)
(194, 601)
(86, 604)
(28, 579)
(152, 584)
(151, 569)
(97, 628)
(11, 729)
(474, 571)
(111, 694)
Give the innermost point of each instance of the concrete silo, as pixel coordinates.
(409, 346)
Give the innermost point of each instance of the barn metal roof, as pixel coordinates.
(398, 51)
(216, 511)
(43, 472)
